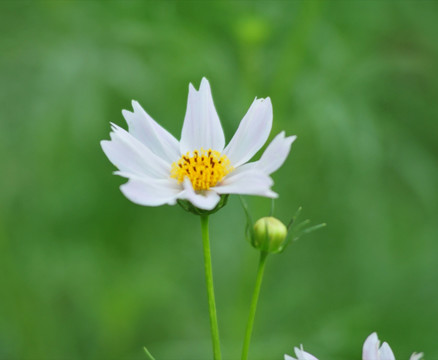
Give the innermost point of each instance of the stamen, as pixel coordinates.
(204, 161)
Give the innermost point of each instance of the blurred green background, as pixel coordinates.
(85, 274)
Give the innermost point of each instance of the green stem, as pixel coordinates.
(210, 289)
(253, 308)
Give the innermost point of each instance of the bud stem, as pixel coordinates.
(253, 308)
(210, 289)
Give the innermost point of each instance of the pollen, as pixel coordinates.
(204, 168)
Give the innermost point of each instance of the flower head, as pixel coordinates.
(373, 351)
(199, 168)
(300, 354)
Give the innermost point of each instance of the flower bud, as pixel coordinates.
(269, 234)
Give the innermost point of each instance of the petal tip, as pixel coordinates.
(291, 138)
(192, 88)
(126, 113)
(272, 194)
(266, 101)
(136, 106)
(205, 87)
(204, 81)
(103, 144)
(114, 126)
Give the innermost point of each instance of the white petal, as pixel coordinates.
(287, 357)
(131, 156)
(202, 127)
(249, 182)
(275, 154)
(252, 133)
(386, 352)
(151, 192)
(370, 349)
(151, 134)
(207, 200)
(302, 355)
(416, 356)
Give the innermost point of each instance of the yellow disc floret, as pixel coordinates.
(204, 168)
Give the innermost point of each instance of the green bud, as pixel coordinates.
(269, 235)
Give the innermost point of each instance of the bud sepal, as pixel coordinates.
(189, 207)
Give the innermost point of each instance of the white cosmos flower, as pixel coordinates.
(199, 168)
(300, 354)
(373, 351)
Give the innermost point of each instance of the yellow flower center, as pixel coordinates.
(204, 168)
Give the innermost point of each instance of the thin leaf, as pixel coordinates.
(295, 217)
(298, 227)
(148, 354)
(295, 231)
(313, 228)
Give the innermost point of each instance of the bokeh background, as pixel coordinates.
(85, 274)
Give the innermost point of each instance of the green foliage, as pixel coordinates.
(85, 274)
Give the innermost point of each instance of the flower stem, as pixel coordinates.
(255, 298)
(210, 289)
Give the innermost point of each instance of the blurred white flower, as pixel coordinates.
(198, 168)
(300, 354)
(373, 351)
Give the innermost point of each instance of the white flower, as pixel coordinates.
(198, 168)
(373, 351)
(300, 354)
